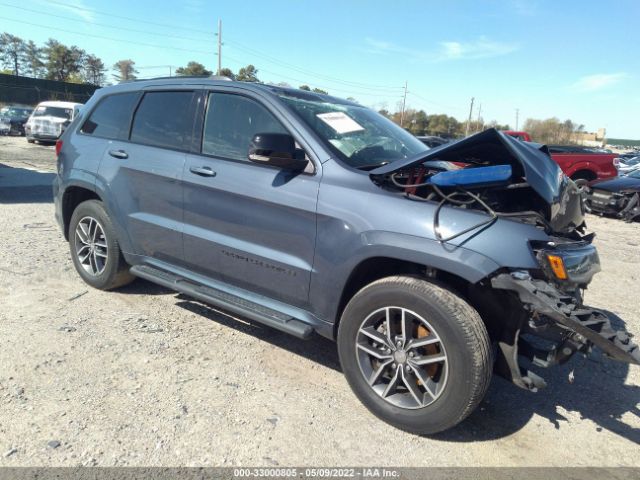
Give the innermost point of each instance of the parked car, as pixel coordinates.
(432, 141)
(49, 120)
(308, 213)
(628, 165)
(524, 136)
(13, 118)
(619, 197)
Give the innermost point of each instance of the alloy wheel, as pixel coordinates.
(401, 357)
(91, 246)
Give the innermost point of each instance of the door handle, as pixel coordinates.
(121, 154)
(203, 171)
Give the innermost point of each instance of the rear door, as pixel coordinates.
(249, 225)
(143, 171)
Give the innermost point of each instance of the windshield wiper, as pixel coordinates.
(371, 166)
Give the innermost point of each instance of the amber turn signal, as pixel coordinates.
(557, 266)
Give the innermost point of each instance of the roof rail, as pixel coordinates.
(207, 77)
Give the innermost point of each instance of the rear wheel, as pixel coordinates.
(94, 248)
(414, 353)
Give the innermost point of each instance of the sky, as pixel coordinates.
(569, 59)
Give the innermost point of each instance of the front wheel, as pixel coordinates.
(417, 355)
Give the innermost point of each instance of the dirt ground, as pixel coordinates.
(143, 376)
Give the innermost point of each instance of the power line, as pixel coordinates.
(164, 47)
(432, 102)
(138, 20)
(352, 84)
(64, 17)
(297, 80)
(328, 78)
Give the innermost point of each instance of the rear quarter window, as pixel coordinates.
(164, 119)
(110, 119)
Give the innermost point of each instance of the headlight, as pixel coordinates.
(571, 263)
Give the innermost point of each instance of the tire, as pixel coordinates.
(94, 248)
(30, 140)
(581, 183)
(454, 331)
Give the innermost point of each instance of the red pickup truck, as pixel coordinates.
(579, 163)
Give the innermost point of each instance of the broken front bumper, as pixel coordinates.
(576, 327)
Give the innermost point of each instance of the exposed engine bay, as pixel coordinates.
(493, 173)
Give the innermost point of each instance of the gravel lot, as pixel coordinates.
(144, 376)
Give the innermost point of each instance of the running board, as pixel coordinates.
(226, 301)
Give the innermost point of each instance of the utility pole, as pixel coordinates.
(478, 122)
(466, 133)
(517, 115)
(219, 46)
(404, 101)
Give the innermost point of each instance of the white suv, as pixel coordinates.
(49, 119)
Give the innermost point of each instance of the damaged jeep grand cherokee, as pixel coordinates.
(431, 268)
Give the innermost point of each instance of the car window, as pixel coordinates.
(163, 120)
(231, 122)
(111, 117)
(59, 112)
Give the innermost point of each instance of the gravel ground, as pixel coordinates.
(144, 376)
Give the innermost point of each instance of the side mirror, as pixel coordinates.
(278, 150)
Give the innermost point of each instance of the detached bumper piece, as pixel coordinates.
(573, 327)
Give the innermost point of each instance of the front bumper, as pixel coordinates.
(602, 201)
(575, 327)
(42, 136)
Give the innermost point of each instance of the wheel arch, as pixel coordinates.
(584, 173)
(73, 196)
(375, 268)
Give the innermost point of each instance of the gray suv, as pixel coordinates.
(431, 268)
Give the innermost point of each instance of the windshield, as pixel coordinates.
(15, 112)
(53, 112)
(359, 136)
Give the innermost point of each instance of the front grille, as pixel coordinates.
(601, 195)
(45, 127)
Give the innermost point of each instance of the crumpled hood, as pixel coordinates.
(528, 160)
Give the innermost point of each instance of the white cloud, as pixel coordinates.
(450, 50)
(481, 48)
(77, 7)
(598, 81)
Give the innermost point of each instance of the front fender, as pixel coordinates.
(335, 263)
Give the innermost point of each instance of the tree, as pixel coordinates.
(62, 62)
(193, 68)
(226, 72)
(305, 87)
(125, 70)
(248, 74)
(94, 70)
(34, 66)
(552, 130)
(12, 49)
(319, 90)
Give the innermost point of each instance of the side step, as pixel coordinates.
(226, 301)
